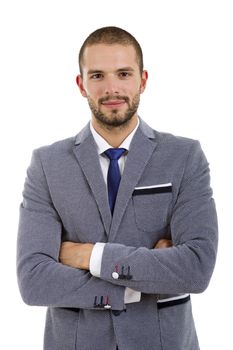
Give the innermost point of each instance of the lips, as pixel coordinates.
(113, 103)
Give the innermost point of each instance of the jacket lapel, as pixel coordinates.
(86, 153)
(141, 149)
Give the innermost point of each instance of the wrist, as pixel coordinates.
(89, 249)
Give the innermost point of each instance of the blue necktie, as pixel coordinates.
(114, 175)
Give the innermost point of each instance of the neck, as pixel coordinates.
(115, 135)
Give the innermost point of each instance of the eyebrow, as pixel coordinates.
(97, 71)
(128, 69)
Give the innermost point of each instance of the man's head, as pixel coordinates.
(111, 75)
(110, 36)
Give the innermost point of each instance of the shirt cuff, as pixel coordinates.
(131, 296)
(96, 259)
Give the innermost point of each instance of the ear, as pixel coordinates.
(143, 81)
(79, 82)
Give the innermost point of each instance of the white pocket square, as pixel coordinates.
(160, 188)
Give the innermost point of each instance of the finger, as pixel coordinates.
(163, 243)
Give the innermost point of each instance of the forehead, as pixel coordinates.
(109, 57)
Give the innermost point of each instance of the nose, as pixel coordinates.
(111, 86)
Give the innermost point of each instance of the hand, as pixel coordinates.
(76, 255)
(163, 243)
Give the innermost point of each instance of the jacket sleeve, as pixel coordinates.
(188, 265)
(42, 279)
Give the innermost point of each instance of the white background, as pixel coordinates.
(188, 52)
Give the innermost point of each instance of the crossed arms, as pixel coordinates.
(58, 275)
(78, 255)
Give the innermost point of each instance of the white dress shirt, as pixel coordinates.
(131, 296)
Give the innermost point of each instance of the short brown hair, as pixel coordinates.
(111, 35)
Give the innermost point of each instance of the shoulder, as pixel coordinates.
(60, 148)
(184, 151)
(165, 139)
(174, 147)
(170, 142)
(180, 147)
(63, 147)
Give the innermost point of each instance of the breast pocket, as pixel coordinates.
(152, 206)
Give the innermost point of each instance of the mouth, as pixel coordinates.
(113, 103)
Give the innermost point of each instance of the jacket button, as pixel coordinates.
(115, 275)
(116, 312)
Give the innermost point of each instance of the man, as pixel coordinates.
(117, 225)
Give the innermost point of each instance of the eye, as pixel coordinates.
(125, 74)
(96, 76)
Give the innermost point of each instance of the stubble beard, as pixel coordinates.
(114, 118)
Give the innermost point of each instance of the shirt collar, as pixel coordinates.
(102, 144)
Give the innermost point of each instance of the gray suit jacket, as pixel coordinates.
(164, 193)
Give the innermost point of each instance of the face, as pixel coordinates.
(112, 83)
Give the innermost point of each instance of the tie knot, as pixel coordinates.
(114, 153)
